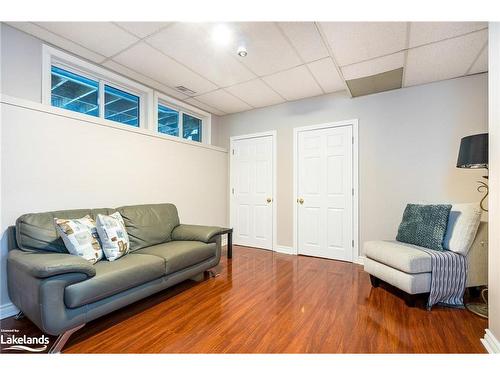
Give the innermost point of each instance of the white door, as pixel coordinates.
(252, 192)
(325, 196)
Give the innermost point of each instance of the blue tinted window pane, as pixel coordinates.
(74, 92)
(120, 106)
(191, 127)
(168, 120)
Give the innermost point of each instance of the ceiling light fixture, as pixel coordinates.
(242, 51)
(222, 34)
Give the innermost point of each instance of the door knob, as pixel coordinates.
(269, 200)
(300, 200)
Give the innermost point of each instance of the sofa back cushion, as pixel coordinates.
(37, 231)
(149, 224)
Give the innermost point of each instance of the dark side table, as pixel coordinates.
(229, 232)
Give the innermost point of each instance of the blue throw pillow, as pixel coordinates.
(424, 225)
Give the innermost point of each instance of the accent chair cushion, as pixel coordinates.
(424, 225)
(149, 224)
(462, 227)
(80, 237)
(114, 238)
(404, 257)
(114, 277)
(181, 254)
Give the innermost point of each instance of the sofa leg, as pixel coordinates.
(212, 273)
(62, 339)
(375, 281)
(19, 315)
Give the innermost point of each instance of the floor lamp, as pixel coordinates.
(474, 154)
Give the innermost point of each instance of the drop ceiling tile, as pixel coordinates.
(481, 64)
(110, 64)
(56, 40)
(292, 84)
(104, 38)
(205, 107)
(268, 49)
(443, 60)
(152, 63)
(376, 83)
(326, 75)
(143, 29)
(353, 42)
(191, 45)
(427, 32)
(223, 101)
(306, 39)
(256, 93)
(374, 66)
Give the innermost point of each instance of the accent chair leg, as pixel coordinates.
(62, 339)
(19, 315)
(410, 300)
(375, 281)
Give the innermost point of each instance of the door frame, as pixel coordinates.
(273, 135)
(355, 180)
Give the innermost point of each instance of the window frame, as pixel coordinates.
(181, 107)
(63, 60)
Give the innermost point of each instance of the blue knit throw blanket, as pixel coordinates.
(448, 277)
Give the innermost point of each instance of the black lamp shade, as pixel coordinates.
(473, 152)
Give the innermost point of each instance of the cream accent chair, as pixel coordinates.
(408, 268)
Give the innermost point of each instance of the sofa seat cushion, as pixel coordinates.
(404, 257)
(114, 277)
(180, 254)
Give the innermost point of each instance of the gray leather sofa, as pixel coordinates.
(60, 292)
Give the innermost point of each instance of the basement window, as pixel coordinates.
(77, 85)
(74, 92)
(191, 127)
(181, 120)
(121, 106)
(168, 120)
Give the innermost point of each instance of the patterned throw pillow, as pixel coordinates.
(424, 225)
(80, 237)
(114, 237)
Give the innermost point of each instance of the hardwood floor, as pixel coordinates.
(264, 302)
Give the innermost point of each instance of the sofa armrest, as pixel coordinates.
(201, 233)
(46, 264)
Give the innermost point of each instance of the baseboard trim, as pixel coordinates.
(8, 310)
(285, 250)
(360, 260)
(491, 343)
(224, 241)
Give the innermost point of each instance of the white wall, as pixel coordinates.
(494, 181)
(408, 146)
(21, 64)
(49, 162)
